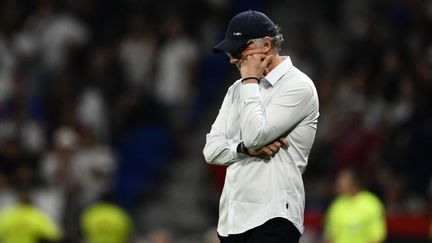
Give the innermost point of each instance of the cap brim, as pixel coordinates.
(229, 46)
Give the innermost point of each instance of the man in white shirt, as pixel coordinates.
(272, 105)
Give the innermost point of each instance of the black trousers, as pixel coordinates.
(277, 230)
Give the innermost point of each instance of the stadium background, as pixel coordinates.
(124, 92)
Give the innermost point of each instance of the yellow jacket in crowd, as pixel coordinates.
(106, 223)
(356, 219)
(24, 223)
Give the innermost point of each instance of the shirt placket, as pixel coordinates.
(231, 211)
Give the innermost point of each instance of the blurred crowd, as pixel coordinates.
(98, 97)
(375, 98)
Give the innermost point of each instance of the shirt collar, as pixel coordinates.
(276, 74)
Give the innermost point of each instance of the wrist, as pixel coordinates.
(241, 148)
(250, 79)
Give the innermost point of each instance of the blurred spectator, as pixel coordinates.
(94, 167)
(57, 173)
(159, 236)
(104, 75)
(105, 222)
(92, 112)
(57, 165)
(22, 115)
(175, 88)
(10, 18)
(356, 215)
(58, 33)
(8, 64)
(138, 52)
(176, 70)
(25, 223)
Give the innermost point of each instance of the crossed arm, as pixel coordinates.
(270, 149)
(222, 150)
(263, 132)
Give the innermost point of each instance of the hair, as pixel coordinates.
(356, 176)
(276, 40)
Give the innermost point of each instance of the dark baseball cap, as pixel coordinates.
(243, 27)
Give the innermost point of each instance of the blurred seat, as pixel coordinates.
(142, 151)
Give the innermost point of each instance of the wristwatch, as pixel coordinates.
(241, 148)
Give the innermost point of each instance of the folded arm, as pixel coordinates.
(219, 149)
(261, 127)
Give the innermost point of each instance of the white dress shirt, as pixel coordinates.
(284, 103)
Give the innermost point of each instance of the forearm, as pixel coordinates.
(221, 151)
(284, 111)
(254, 123)
(250, 103)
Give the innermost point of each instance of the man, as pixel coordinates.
(273, 104)
(105, 222)
(25, 223)
(356, 215)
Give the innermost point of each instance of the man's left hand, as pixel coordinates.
(270, 149)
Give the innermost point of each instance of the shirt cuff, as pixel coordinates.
(233, 149)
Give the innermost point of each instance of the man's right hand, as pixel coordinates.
(270, 149)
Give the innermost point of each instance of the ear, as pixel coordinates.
(267, 44)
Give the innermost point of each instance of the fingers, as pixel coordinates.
(253, 51)
(267, 60)
(256, 57)
(267, 151)
(284, 142)
(251, 66)
(264, 59)
(277, 143)
(272, 148)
